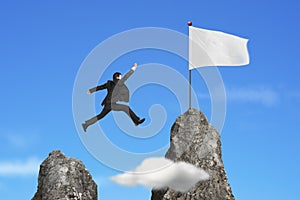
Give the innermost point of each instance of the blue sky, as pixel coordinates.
(43, 46)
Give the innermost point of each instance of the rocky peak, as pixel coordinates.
(194, 140)
(64, 178)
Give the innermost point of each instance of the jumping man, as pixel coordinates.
(116, 91)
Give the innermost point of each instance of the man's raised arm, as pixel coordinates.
(128, 74)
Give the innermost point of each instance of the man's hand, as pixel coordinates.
(88, 92)
(134, 66)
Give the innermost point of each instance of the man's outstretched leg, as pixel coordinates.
(121, 107)
(93, 120)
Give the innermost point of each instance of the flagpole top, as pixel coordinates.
(190, 23)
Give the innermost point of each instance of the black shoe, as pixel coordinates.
(140, 121)
(84, 126)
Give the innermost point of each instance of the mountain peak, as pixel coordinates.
(61, 177)
(195, 141)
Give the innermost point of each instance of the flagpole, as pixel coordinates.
(190, 85)
(190, 75)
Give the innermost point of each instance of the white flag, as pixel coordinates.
(215, 48)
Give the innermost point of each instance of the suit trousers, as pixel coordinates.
(115, 107)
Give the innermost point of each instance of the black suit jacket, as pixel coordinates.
(116, 90)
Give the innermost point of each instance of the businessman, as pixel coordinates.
(116, 91)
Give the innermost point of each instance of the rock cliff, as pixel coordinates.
(64, 178)
(194, 140)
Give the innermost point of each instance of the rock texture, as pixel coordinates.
(195, 141)
(64, 178)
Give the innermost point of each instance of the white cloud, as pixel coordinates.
(160, 173)
(20, 168)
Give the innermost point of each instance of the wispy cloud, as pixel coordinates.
(263, 95)
(27, 167)
(160, 173)
(17, 140)
(102, 181)
(266, 96)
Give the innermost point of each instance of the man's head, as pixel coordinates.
(117, 76)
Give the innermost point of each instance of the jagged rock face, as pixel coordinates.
(64, 178)
(195, 141)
